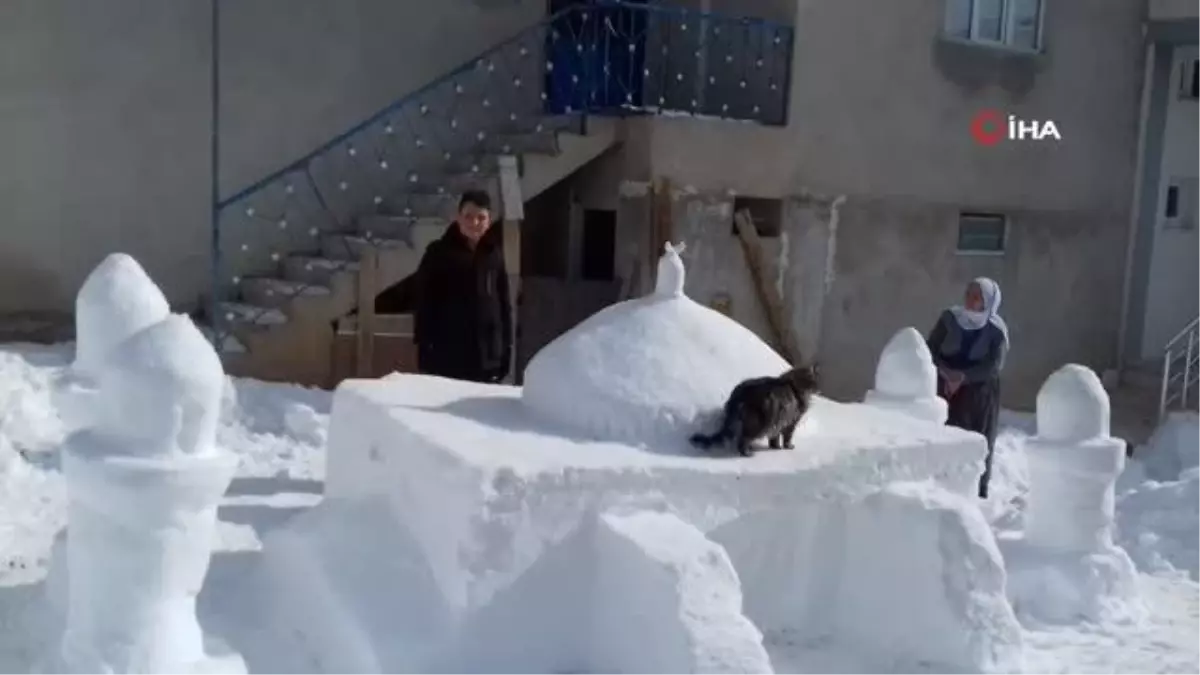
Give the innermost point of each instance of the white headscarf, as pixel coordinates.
(970, 320)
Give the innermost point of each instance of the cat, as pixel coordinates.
(768, 407)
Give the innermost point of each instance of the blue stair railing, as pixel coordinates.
(606, 58)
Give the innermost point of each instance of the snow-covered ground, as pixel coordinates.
(278, 433)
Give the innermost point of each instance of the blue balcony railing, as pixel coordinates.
(611, 58)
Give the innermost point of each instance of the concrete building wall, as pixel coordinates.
(106, 115)
(1171, 297)
(884, 120)
(1161, 10)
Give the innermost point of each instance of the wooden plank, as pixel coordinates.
(367, 275)
(512, 264)
(511, 199)
(767, 293)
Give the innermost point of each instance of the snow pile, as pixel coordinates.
(1158, 524)
(1174, 447)
(906, 379)
(649, 368)
(1066, 566)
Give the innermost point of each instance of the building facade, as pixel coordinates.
(875, 201)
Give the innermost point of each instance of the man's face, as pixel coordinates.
(473, 221)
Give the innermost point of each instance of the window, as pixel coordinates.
(1189, 84)
(1012, 23)
(1179, 209)
(767, 215)
(982, 233)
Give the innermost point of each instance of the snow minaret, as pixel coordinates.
(670, 271)
(906, 379)
(1067, 567)
(144, 477)
(117, 300)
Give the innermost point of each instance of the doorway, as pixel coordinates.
(599, 245)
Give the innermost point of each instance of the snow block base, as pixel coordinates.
(924, 583)
(627, 592)
(484, 490)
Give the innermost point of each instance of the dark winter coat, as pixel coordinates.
(979, 355)
(463, 319)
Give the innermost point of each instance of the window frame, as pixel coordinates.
(1006, 26)
(963, 217)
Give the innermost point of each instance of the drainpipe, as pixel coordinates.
(1135, 206)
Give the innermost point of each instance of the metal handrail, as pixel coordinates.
(316, 203)
(1190, 374)
(466, 67)
(1190, 328)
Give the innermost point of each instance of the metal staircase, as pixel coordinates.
(285, 249)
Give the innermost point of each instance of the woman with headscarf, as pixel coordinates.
(969, 345)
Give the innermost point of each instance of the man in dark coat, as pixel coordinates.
(463, 322)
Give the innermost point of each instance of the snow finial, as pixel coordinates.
(670, 270)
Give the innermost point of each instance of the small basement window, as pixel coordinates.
(766, 213)
(982, 233)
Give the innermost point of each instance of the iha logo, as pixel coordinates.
(989, 127)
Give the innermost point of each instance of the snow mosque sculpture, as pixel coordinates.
(1066, 565)
(144, 477)
(906, 378)
(649, 370)
(490, 527)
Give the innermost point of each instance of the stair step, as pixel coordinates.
(542, 123)
(316, 270)
(427, 201)
(246, 315)
(452, 183)
(278, 293)
(418, 230)
(229, 344)
(542, 143)
(351, 246)
(481, 162)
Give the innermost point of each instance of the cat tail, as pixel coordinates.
(722, 435)
(705, 441)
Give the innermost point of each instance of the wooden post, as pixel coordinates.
(512, 263)
(367, 281)
(514, 212)
(767, 293)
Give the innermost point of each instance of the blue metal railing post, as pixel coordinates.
(214, 176)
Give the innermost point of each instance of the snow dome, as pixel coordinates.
(648, 367)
